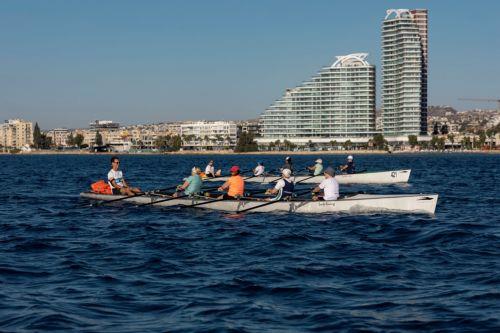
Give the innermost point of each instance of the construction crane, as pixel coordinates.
(482, 100)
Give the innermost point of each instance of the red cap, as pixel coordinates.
(234, 168)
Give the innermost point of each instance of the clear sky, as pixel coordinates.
(65, 62)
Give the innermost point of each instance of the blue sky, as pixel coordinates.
(65, 63)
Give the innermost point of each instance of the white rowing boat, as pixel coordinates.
(359, 203)
(383, 177)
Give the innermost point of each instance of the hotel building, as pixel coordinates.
(404, 72)
(338, 103)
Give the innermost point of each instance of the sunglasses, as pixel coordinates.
(117, 162)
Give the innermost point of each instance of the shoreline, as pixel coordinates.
(283, 152)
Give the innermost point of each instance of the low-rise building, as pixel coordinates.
(59, 136)
(209, 134)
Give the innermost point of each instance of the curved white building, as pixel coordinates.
(339, 102)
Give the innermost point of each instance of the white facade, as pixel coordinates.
(339, 102)
(404, 72)
(209, 133)
(59, 136)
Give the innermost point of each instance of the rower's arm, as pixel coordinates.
(224, 186)
(316, 189)
(125, 184)
(115, 185)
(185, 185)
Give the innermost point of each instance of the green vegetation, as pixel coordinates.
(98, 139)
(412, 140)
(246, 143)
(379, 141)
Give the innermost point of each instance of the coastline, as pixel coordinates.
(282, 152)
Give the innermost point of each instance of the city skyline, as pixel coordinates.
(68, 63)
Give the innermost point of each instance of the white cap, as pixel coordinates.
(286, 173)
(350, 157)
(319, 160)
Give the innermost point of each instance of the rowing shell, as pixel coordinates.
(360, 203)
(383, 177)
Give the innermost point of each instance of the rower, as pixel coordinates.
(117, 182)
(288, 164)
(285, 185)
(349, 167)
(329, 185)
(192, 184)
(210, 170)
(316, 169)
(235, 185)
(259, 169)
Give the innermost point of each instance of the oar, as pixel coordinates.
(267, 203)
(261, 175)
(134, 196)
(171, 198)
(202, 203)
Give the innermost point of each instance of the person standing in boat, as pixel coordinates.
(329, 186)
(349, 168)
(285, 185)
(210, 170)
(288, 164)
(235, 185)
(259, 169)
(316, 169)
(117, 182)
(192, 184)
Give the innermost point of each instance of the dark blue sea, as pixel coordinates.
(67, 266)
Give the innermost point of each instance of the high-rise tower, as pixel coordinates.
(404, 72)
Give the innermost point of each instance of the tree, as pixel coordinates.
(440, 143)
(278, 144)
(451, 138)
(161, 142)
(79, 140)
(435, 130)
(98, 139)
(70, 140)
(37, 137)
(482, 139)
(348, 144)
(175, 143)
(434, 142)
(245, 143)
(412, 140)
(444, 129)
(466, 143)
(333, 143)
(490, 133)
(379, 141)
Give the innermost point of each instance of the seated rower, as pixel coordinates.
(285, 185)
(210, 170)
(329, 185)
(349, 167)
(235, 185)
(316, 169)
(117, 182)
(259, 169)
(192, 184)
(288, 164)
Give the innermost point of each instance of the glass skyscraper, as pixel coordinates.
(338, 102)
(404, 72)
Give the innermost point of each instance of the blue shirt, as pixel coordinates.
(194, 185)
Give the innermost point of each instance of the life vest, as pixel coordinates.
(288, 188)
(101, 187)
(350, 167)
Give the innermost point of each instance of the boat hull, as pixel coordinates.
(383, 177)
(360, 203)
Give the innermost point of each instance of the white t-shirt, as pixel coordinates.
(331, 188)
(117, 176)
(210, 169)
(259, 170)
(280, 184)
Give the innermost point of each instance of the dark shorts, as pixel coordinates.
(229, 197)
(116, 191)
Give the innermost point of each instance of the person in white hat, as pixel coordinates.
(285, 185)
(349, 167)
(316, 169)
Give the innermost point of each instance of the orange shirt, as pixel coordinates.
(236, 186)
